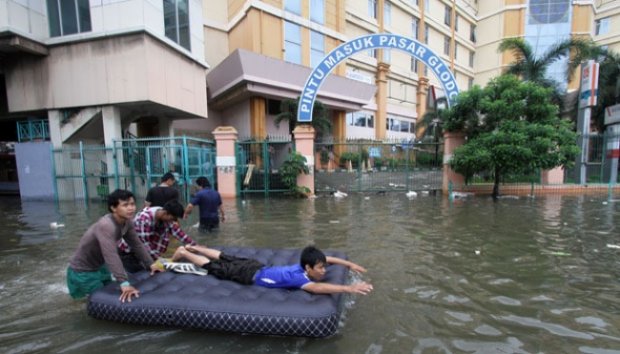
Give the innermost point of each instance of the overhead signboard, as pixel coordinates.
(363, 43)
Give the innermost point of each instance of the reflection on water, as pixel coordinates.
(472, 276)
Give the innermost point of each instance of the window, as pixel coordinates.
(472, 33)
(387, 14)
(549, 11)
(317, 11)
(456, 22)
(176, 22)
(446, 45)
(68, 17)
(372, 8)
(471, 59)
(292, 42)
(372, 53)
(470, 83)
(404, 126)
(456, 50)
(317, 48)
(387, 55)
(447, 16)
(414, 65)
(293, 6)
(427, 5)
(399, 125)
(360, 119)
(415, 24)
(601, 26)
(426, 33)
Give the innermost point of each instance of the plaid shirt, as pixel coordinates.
(155, 235)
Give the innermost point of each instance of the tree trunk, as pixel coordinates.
(496, 185)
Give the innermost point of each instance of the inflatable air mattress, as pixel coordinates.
(207, 303)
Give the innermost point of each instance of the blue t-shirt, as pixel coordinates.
(209, 201)
(291, 277)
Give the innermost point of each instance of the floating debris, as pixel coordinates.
(55, 225)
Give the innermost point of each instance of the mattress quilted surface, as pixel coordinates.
(207, 303)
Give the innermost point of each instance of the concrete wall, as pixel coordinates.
(34, 170)
(114, 70)
(25, 17)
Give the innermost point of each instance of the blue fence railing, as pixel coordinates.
(33, 130)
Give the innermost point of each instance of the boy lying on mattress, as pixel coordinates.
(305, 275)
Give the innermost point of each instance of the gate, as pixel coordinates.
(87, 172)
(379, 166)
(258, 163)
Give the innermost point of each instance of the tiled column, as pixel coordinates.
(225, 138)
(553, 176)
(452, 140)
(304, 144)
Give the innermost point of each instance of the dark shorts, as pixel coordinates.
(208, 224)
(240, 270)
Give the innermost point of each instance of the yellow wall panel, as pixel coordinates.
(239, 36)
(271, 36)
(514, 23)
(234, 7)
(582, 19)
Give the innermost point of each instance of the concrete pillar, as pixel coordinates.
(53, 119)
(165, 127)
(421, 93)
(382, 72)
(112, 130)
(452, 140)
(304, 144)
(225, 139)
(339, 131)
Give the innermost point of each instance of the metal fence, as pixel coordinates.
(367, 165)
(597, 172)
(89, 172)
(258, 164)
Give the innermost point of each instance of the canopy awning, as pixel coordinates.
(244, 74)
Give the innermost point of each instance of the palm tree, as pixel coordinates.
(320, 116)
(530, 67)
(429, 127)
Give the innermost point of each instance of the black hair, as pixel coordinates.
(167, 176)
(115, 198)
(174, 208)
(203, 182)
(312, 256)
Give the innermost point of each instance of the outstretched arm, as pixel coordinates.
(327, 288)
(353, 266)
(188, 210)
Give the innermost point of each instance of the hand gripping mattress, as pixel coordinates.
(207, 303)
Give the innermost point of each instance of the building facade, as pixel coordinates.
(98, 70)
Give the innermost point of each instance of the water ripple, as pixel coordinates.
(550, 327)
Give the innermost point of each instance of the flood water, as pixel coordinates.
(527, 275)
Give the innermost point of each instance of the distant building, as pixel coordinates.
(97, 70)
